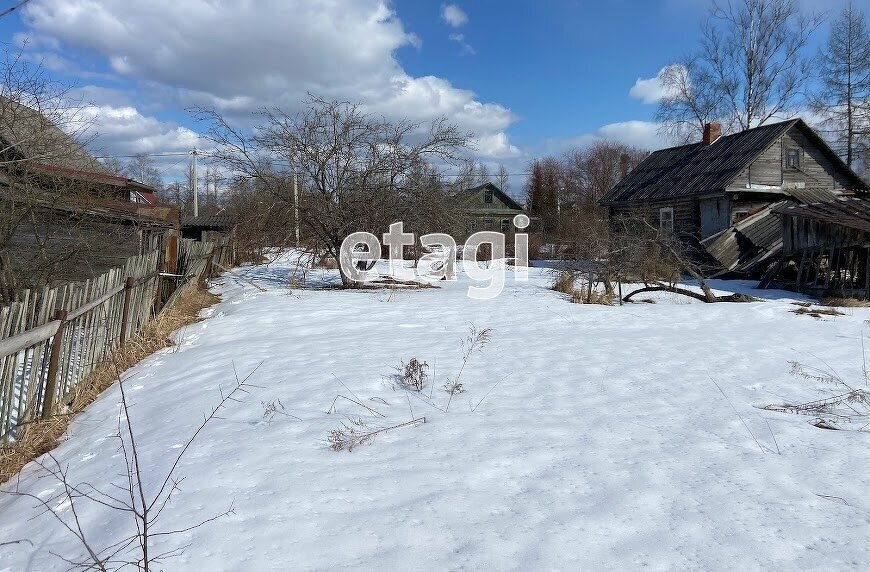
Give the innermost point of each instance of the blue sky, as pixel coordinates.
(528, 77)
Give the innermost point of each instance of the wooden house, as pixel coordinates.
(63, 216)
(702, 191)
(486, 207)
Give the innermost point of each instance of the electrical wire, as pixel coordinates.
(16, 7)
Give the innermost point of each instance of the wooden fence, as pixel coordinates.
(52, 339)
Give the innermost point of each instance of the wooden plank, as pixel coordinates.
(98, 302)
(19, 342)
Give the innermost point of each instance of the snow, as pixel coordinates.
(599, 438)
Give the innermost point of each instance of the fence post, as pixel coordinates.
(158, 291)
(53, 362)
(125, 314)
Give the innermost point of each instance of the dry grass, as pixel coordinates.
(564, 282)
(845, 302)
(601, 298)
(816, 312)
(40, 437)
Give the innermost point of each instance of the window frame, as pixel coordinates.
(487, 224)
(669, 211)
(488, 196)
(505, 225)
(793, 152)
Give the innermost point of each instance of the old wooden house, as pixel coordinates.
(718, 193)
(486, 207)
(63, 216)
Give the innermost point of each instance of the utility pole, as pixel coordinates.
(296, 205)
(195, 190)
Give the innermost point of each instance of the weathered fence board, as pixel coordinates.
(44, 358)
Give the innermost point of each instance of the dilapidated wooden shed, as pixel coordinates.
(826, 247)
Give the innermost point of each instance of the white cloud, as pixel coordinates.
(123, 130)
(652, 90)
(127, 131)
(642, 134)
(331, 48)
(496, 146)
(454, 15)
(460, 39)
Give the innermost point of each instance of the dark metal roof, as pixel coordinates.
(696, 169)
(223, 222)
(849, 212)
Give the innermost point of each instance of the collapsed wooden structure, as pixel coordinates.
(825, 248)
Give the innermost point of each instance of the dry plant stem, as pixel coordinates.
(738, 415)
(476, 340)
(144, 509)
(364, 406)
(348, 437)
(485, 395)
(778, 452)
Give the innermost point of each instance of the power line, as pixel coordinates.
(167, 154)
(16, 7)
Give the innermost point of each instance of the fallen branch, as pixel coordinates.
(691, 294)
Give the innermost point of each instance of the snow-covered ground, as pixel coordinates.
(598, 437)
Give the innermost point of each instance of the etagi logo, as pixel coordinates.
(358, 264)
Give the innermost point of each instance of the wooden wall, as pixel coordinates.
(816, 169)
(55, 248)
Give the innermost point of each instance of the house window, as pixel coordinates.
(666, 220)
(487, 196)
(472, 225)
(505, 225)
(487, 224)
(793, 158)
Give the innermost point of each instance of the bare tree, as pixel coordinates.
(42, 135)
(114, 165)
(358, 170)
(141, 168)
(467, 176)
(691, 100)
(590, 172)
(482, 174)
(751, 67)
(502, 178)
(844, 68)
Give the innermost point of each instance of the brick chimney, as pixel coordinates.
(712, 131)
